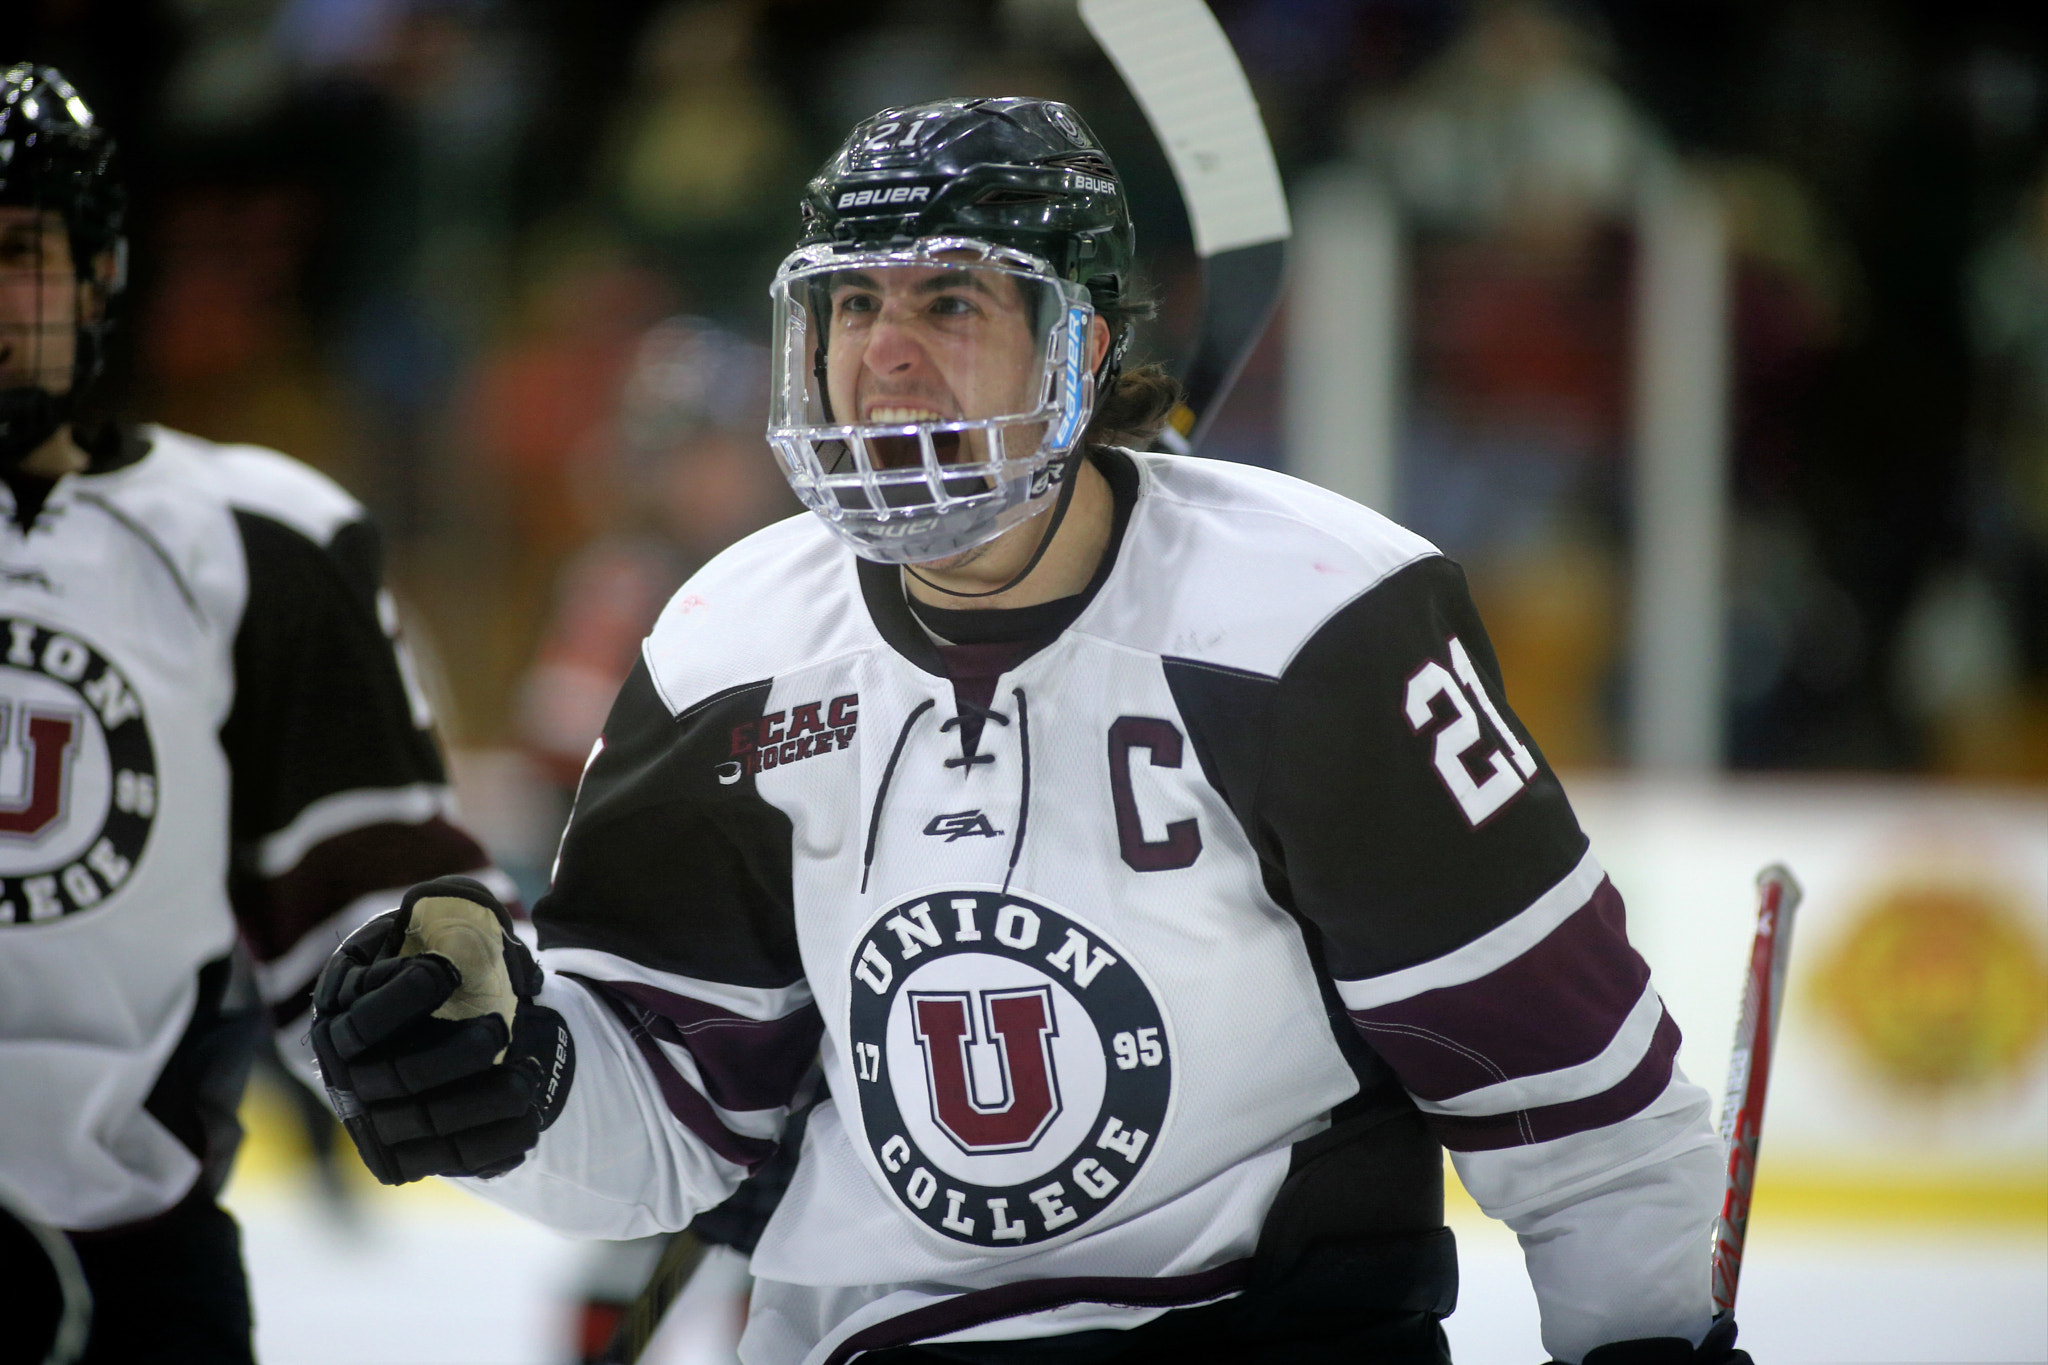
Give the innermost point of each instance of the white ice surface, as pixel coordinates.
(1811, 1296)
(424, 1277)
(433, 1277)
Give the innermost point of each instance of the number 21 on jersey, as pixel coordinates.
(1460, 757)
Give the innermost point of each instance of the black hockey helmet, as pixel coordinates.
(1021, 173)
(55, 156)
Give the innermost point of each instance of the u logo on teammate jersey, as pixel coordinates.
(77, 775)
(39, 748)
(1013, 1068)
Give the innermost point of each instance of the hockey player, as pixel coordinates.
(1144, 844)
(208, 736)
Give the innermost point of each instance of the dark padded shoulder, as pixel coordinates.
(1343, 792)
(1230, 716)
(667, 865)
(1230, 722)
(358, 553)
(320, 706)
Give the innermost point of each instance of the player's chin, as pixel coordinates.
(949, 563)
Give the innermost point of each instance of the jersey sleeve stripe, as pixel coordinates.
(744, 1064)
(293, 970)
(685, 1103)
(1518, 1183)
(746, 1002)
(1583, 981)
(1485, 954)
(342, 812)
(277, 914)
(1631, 1043)
(1547, 1123)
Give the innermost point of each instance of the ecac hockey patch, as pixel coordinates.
(816, 727)
(1013, 1068)
(77, 775)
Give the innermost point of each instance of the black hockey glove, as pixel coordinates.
(433, 1050)
(1716, 1348)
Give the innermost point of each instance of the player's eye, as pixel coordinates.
(954, 306)
(856, 305)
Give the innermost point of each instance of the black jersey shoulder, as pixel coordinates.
(1346, 795)
(672, 859)
(321, 706)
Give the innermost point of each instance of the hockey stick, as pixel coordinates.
(1749, 1071)
(637, 1323)
(1174, 57)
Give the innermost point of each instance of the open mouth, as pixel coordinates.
(901, 452)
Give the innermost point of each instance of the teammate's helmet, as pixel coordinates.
(1015, 203)
(54, 156)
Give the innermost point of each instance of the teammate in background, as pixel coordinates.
(1144, 844)
(216, 764)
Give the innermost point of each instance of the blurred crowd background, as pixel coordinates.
(438, 247)
(500, 267)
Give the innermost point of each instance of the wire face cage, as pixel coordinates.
(924, 397)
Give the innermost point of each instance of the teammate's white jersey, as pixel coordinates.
(1097, 944)
(205, 733)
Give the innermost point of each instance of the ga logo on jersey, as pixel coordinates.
(77, 775)
(1013, 1067)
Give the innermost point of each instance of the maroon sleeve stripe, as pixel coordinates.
(276, 913)
(745, 1063)
(1526, 1126)
(1555, 1006)
(690, 1109)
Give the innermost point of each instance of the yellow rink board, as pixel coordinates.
(1815, 1195)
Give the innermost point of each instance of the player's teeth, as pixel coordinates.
(903, 415)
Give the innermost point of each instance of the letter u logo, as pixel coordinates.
(33, 801)
(1025, 1099)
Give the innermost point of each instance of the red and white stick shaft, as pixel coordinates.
(1749, 1071)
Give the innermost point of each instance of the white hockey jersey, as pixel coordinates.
(205, 733)
(1094, 943)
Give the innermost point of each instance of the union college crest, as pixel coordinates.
(1013, 1068)
(77, 775)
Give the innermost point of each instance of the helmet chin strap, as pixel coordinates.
(1059, 514)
